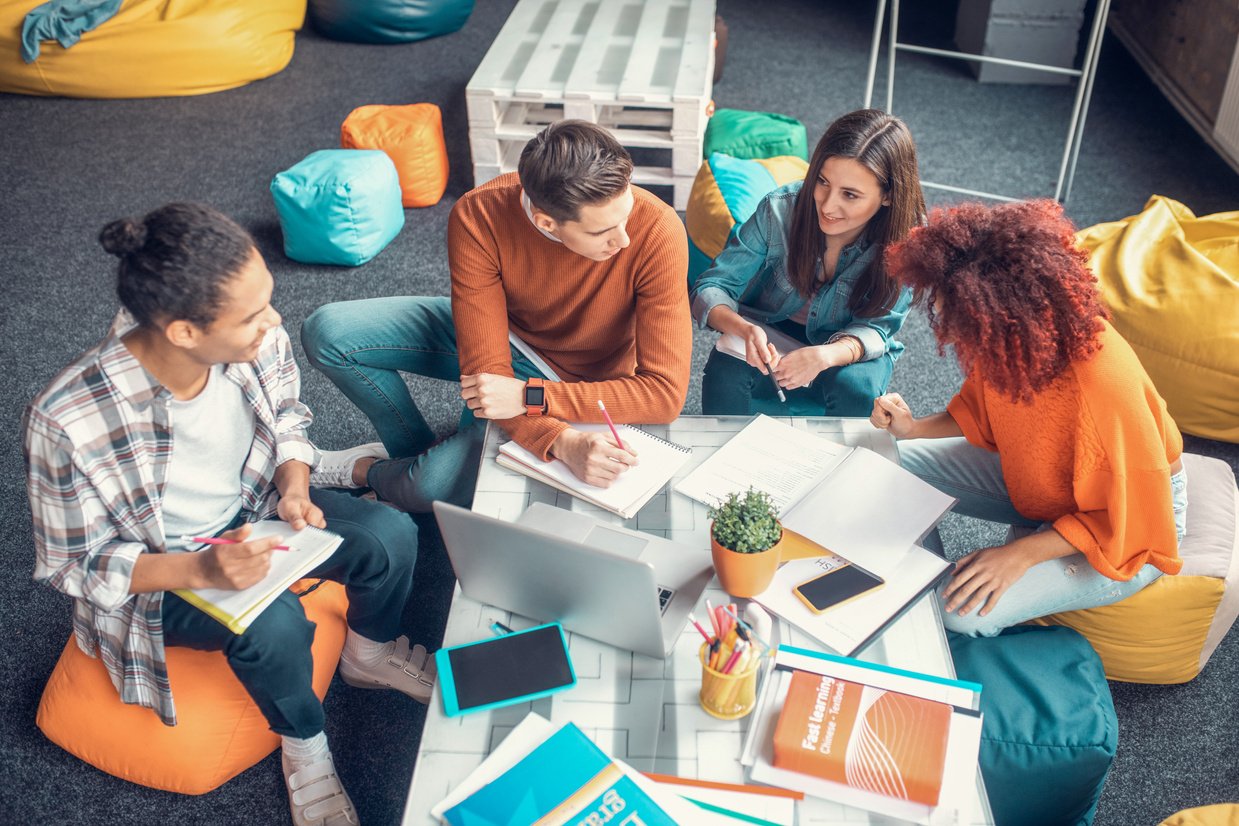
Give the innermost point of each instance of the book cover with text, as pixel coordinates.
(865, 737)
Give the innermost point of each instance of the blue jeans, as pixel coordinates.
(363, 347)
(272, 659)
(730, 386)
(973, 475)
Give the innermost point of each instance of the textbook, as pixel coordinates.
(308, 548)
(658, 460)
(732, 345)
(903, 745)
(564, 781)
(865, 737)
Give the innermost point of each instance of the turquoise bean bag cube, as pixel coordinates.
(388, 21)
(339, 206)
(1049, 732)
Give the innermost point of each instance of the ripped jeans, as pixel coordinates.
(973, 475)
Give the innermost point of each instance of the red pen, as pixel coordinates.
(215, 540)
(700, 630)
(735, 655)
(610, 424)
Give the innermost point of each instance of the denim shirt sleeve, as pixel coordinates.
(743, 259)
(876, 333)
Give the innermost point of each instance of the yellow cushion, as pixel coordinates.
(156, 48)
(1172, 281)
(1167, 632)
(220, 732)
(1222, 814)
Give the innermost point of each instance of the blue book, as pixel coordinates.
(565, 780)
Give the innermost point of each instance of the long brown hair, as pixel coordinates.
(883, 145)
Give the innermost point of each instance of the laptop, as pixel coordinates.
(630, 589)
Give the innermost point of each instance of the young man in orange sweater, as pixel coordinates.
(568, 288)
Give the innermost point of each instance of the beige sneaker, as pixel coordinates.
(316, 796)
(408, 669)
(335, 467)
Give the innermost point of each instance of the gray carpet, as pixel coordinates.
(69, 166)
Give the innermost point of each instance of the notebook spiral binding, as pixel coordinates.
(658, 439)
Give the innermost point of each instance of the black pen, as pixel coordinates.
(775, 382)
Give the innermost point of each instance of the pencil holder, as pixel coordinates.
(727, 696)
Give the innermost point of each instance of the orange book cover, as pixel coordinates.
(865, 737)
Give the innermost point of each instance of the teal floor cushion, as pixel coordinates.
(743, 134)
(1049, 732)
(339, 206)
(388, 21)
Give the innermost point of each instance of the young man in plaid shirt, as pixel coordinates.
(184, 421)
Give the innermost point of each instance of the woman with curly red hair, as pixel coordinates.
(1057, 429)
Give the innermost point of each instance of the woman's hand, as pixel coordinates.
(800, 367)
(758, 351)
(982, 577)
(891, 412)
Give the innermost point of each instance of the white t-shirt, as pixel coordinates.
(212, 434)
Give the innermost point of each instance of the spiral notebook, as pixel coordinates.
(308, 547)
(658, 462)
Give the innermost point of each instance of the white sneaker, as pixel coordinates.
(316, 797)
(335, 467)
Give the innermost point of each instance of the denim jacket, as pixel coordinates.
(750, 276)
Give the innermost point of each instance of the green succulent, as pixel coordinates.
(746, 523)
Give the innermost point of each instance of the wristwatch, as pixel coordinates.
(535, 397)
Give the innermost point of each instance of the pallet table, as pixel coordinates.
(641, 68)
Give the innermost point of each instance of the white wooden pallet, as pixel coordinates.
(641, 68)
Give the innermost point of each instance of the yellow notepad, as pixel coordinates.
(658, 460)
(308, 548)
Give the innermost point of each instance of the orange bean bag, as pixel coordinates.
(220, 732)
(412, 136)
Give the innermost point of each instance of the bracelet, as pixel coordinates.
(854, 344)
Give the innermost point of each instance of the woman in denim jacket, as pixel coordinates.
(808, 263)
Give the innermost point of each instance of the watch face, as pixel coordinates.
(535, 396)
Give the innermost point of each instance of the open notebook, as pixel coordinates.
(308, 548)
(658, 462)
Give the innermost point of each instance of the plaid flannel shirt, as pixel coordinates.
(98, 441)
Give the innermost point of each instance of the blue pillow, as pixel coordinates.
(1049, 732)
(339, 206)
(388, 21)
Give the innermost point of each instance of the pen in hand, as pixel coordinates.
(611, 424)
(216, 540)
(778, 390)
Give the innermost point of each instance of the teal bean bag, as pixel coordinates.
(1049, 732)
(743, 134)
(339, 206)
(388, 21)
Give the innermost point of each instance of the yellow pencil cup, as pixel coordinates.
(727, 696)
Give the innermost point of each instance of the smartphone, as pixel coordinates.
(837, 586)
(501, 671)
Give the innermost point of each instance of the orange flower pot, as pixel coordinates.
(744, 575)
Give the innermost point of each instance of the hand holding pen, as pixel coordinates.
(233, 562)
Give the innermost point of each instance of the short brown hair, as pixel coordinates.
(571, 164)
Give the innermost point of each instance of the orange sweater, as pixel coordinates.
(617, 330)
(1091, 453)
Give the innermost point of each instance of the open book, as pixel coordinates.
(853, 502)
(898, 743)
(308, 548)
(658, 460)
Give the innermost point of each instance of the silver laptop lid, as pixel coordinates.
(593, 592)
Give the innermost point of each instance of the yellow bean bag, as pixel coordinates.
(1172, 281)
(1166, 633)
(156, 48)
(219, 732)
(1220, 814)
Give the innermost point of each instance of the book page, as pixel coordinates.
(657, 463)
(733, 345)
(771, 456)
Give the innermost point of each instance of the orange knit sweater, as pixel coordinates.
(1091, 453)
(617, 330)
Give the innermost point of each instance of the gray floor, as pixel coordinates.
(68, 166)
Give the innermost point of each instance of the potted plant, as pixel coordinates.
(744, 541)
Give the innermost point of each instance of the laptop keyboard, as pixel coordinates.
(664, 598)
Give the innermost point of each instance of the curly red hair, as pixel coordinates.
(1008, 287)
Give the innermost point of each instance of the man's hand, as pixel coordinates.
(891, 412)
(592, 457)
(982, 577)
(758, 351)
(493, 397)
(800, 367)
(298, 511)
(234, 567)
